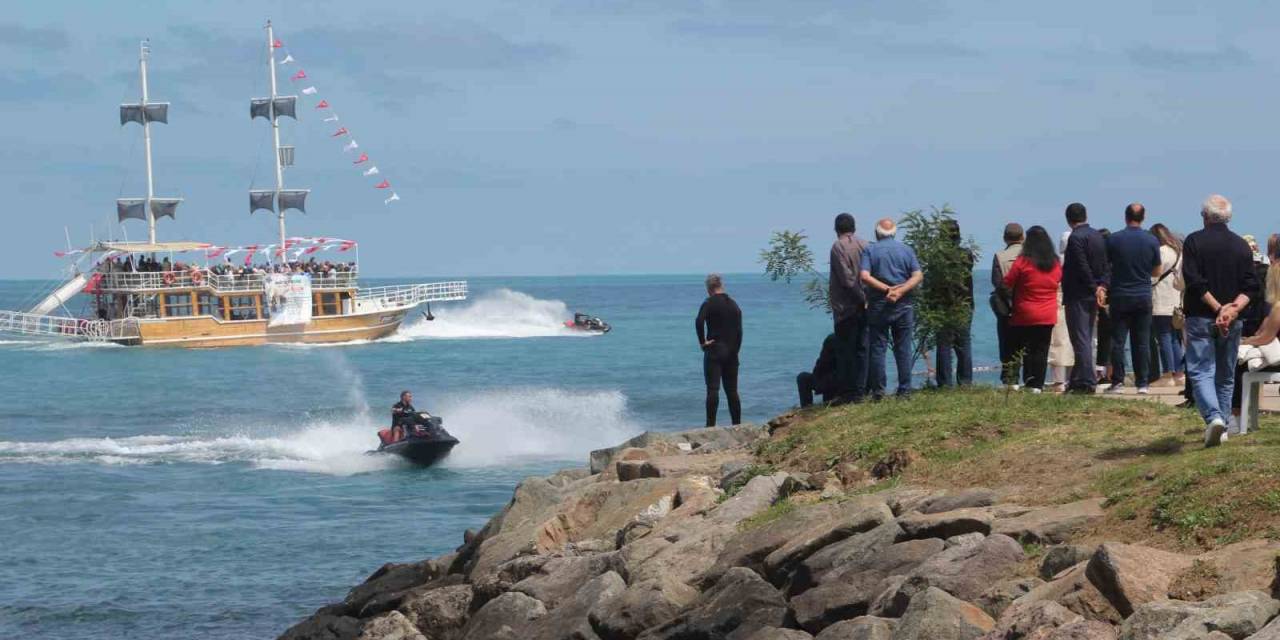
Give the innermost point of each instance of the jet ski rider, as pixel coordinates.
(405, 420)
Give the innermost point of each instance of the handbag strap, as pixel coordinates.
(1170, 271)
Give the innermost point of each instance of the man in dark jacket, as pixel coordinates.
(1220, 280)
(1084, 273)
(849, 310)
(719, 329)
(822, 380)
(955, 295)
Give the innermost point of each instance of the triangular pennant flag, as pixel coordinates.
(309, 91)
(372, 171)
(342, 131)
(332, 118)
(323, 104)
(350, 145)
(287, 59)
(347, 245)
(364, 157)
(394, 196)
(300, 75)
(277, 44)
(385, 184)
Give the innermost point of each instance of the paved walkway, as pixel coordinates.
(1173, 395)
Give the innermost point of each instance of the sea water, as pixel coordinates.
(226, 493)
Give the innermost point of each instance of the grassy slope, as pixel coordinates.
(1148, 460)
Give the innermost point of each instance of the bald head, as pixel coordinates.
(1135, 213)
(886, 228)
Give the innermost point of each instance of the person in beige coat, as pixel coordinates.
(1166, 298)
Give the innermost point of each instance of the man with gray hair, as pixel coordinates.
(890, 271)
(1217, 267)
(719, 329)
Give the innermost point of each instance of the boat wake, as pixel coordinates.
(496, 428)
(498, 314)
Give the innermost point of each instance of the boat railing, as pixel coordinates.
(131, 281)
(408, 295)
(17, 322)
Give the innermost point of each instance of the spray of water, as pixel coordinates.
(498, 314)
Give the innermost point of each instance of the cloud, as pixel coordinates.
(1169, 59)
(34, 38)
(438, 46)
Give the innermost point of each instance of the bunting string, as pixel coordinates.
(349, 142)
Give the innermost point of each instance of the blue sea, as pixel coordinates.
(156, 493)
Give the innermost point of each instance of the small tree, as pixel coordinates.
(787, 258)
(941, 305)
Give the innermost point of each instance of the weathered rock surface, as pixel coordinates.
(946, 524)
(641, 606)
(323, 626)
(440, 613)
(1132, 575)
(968, 571)
(1000, 595)
(1243, 566)
(560, 578)
(774, 633)
(702, 440)
(936, 615)
(1051, 525)
(1269, 632)
(390, 626)
(570, 620)
(963, 499)
(860, 628)
(1039, 618)
(1238, 615)
(848, 590)
(739, 605)
(1082, 630)
(1074, 591)
(851, 550)
(1062, 557)
(506, 617)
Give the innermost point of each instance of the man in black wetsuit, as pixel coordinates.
(405, 420)
(719, 328)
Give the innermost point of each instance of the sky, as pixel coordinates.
(608, 137)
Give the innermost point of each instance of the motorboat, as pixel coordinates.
(589, 324)
(427, 445)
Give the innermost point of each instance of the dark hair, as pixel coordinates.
(1038, 248)
(1135, 213)
(1104, 232)
(845, 224)
(1273, 246)
(1013, 233)
(1076, 213)
(1166, 237)
(404, 393)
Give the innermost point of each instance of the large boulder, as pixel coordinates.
(852, 550)
(968, 571)
(391, 578)
(570, 620)
(936, 615)
(1269, 632)
(860, 628)
(1081, 630)
(324, 626)
(1073, 590)
(1132, 575)
(848, 590)
(700, 440)
(1238, 615)
(996, 598)
(963, 499)
(390, 626)
(1062, 557)
(560, 578)
(946, 524)
(1243, 566)
(439, 613)
(774, 633)
(739, 605)
(1051, 525)
(641, 606)
(1036, 620)
(506, 617)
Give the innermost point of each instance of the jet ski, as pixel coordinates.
(427, 445)
(590, 324)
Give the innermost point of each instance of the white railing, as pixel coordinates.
(410, 295)
(158, 281)
(30, 324)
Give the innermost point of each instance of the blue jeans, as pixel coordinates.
(1211, 366)
(961, 341)
(884, 319)
(1131, 314)
(1170, 342)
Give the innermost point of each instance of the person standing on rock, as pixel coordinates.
(890, 271)
(1084, 270)
(719, 329)
(1220, 280)
(849, 310)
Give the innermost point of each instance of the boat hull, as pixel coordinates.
(423, 451)
(209, 332)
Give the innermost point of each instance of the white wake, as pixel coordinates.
(498, 314)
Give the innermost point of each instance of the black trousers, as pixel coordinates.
(1131, 316)
(805, 385)
(852, 342)
(1008, 374)
(721, 368)
(1032, 343)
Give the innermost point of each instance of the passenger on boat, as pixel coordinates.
(406, 420)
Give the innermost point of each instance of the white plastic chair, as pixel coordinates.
(1252, 394)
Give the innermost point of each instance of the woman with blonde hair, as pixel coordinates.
(1166, 298)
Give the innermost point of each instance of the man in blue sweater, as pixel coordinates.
(1134, 254)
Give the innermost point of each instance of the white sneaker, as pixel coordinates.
(1035, 391)
(1142, 391)
(1215, 432)
(1115, 389)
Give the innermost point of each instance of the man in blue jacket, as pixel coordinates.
(1134, 254)
(1084, 273)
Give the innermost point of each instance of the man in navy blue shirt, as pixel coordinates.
(1084, 270)
(890, 271)
(1135, 258)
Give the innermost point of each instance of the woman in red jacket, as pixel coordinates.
(1034, 279)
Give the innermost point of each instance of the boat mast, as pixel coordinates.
(146, 139)
(275, 130)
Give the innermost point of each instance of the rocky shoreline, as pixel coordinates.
(681, 536)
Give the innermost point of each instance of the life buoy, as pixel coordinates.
(84, 327)
(169, 278)
(196, 277)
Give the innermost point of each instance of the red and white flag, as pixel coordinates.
(332, 118)
(347, 245)
(364, 157)
(309, 91)
(300, 75)
(342, 131)
(385, 184)
(277, 44)
(215, 252)
(323, 104)
(287, 59)
(350, 146)
(371, 171)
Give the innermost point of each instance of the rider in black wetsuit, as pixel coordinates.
(719, 327)
(404, 417)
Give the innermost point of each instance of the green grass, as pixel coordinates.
(776, 512)
(1145, 458)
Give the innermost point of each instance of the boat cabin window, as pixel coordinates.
(177, 305)
(327, 304)
(209, 305)
(242, 307)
